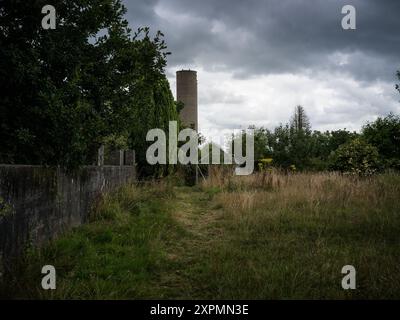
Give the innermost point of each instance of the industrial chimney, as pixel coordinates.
(186, 92)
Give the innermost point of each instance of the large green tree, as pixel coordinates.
(59, 86)
(278, 145)
(384, 134)
(152, 104)
(323, 144)
(67, 91)
(300, 138)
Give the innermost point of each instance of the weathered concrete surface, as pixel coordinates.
(37, 204)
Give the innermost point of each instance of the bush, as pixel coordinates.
(356, 157)
(384, 134)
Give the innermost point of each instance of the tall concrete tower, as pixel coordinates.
(186, 92)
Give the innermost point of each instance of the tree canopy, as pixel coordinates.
(384, 134)
(66, 91)
(294, 146)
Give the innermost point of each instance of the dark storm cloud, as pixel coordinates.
(277, 36)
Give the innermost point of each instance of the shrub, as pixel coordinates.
(384, 134)
(356, 157)
(264, 164)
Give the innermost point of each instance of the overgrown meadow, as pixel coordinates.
(266, 236)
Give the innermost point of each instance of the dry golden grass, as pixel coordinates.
(276, 190)
(289, 235)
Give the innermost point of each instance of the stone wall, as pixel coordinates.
(37, 203)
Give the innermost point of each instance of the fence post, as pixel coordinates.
(121, 157)
(129, 157)
(100, 156)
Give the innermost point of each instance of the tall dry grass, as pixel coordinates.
(314, 191)
(289, 235)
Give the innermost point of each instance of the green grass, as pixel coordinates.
(116, 256)
(259, 237)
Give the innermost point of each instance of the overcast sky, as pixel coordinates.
(257, 59)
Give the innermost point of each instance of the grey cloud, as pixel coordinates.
(217, 95)
(261, 37)
(246, 40)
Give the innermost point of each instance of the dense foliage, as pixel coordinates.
(293, 146)
(384, 134)
(356, 157)
(88, 82)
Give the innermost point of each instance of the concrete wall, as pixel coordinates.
(186, 92)
(37, 204)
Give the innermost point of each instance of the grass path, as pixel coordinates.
(195, 213)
